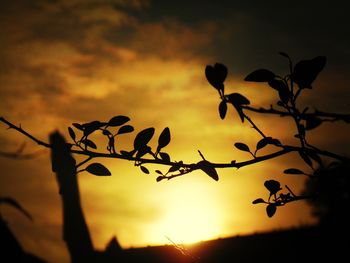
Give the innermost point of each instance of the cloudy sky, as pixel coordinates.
(68, 61)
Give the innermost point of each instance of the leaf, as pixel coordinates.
(260, 75)
(142, 151)
(306, 159)
(164, 138)
(71, 133)
(125, 129)
(258, 201)
(242, 146)
(293, 171)
(143, 137)
(237, 101)
(92, 126)
(89, 143)
(165, 157)
(216, 75)
(78, 126)
(222, 109)
(209, 169)
(271, 210)
(274, 142)
(98, 169)
(12, 202)
(314, 156)
(306, 71)
(312, 122)
(262, 143)
(273, 186)
(282, 88)
(118, 120)
(160, 178)
(144, 169)
(158, 172)
(277, 84)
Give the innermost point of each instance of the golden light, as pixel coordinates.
(191, 214)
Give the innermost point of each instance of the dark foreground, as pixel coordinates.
(296, 245)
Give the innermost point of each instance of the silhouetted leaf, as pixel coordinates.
(160, 178)
(306, 71)
(216, 76)
(312, 122)
(260, 75)
(242, 147)
(118, 120)
(258, 201)
(144, 169)
(89, 143)
(274, 141)
(159, 172)
(282, 88)
(293, 171)
(98, 169)
(284, 95)
(314, 156)
(143, 137)
(237, 101)
(306, 159)
(267, 140)
(271, 210)
(78, 126)
(209, 169)
(273, 186)
(165, 157)
(164, 138)
(125, 129)
(71, 133)
(262, 143)
(92, 126)
(142, 151)
(222, 109)
(12, 202)
(277, 84)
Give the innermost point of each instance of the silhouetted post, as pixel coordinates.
(75, 231)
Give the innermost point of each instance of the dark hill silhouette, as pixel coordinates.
(308, 244)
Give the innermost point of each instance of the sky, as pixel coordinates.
(68, 61)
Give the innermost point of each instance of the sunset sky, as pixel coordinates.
(66, 61)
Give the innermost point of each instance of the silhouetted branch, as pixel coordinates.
(19, 156)
(19, 129)
(326, 116)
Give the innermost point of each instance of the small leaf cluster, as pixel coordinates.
(216, 76)
(115, 127)
(276, 197)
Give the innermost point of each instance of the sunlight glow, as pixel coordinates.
(191, 215)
